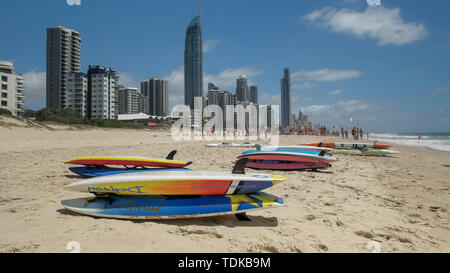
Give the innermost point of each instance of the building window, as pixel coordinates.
(4, 103)
(4, 87)
(4, 78)
(4, 95)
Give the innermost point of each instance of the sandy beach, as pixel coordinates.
(401, 201)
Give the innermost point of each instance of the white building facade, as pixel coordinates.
(12, 88)
(76, 92)
(102, 93)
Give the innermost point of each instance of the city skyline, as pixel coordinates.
(387, 82)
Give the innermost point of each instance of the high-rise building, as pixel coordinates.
(254, 94)
(102, 92)
(131, 102)
(12, 89)
(193, 62)
(242, 89)
(128, 100)
(76, 92)
(286, 99)
(63, 57)
(157, 91)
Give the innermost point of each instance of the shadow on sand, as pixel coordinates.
(220, 220)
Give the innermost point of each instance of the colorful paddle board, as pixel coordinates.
(294, 147)
(177, 183)
(365, 152)
(103, 170)
(349, 145)
(163, 207)
(231, 144)
(284, 165)
(130, 161)
(288, 155)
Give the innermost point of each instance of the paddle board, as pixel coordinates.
(231, 144)
(349, 145)
(288, 155)
(103, 170)
(163, 207)
(176, 183)
(130, 161)
(368, 152)
(294, 147)
(284, 165)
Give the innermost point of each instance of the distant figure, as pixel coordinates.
(361, 133)
(420, 136)
(367, 136)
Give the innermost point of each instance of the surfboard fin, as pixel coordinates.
(239, 166)
(320, 144)
(242, 217)
(171, 154)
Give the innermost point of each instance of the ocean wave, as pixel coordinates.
(439, 143)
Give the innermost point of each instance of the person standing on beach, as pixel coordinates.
(360, 133)
(420, 136)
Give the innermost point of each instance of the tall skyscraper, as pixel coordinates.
(242, 89)
(12, 89)
(193, 62)
(102, 92)
(157, 91)
(286, 99)
(63, 57)
(254, 94)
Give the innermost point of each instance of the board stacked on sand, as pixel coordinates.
(348, 148)
(103, 170)
(96, 165)
(287, 159)
(163, 207)
(294, 147)
(135, 161)
(179, 194)
(349, 145)
(231, 144)
(365, 152)
(176, 183)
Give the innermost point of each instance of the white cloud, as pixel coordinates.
(35, 90)
(326, 75)
(129, 80)
(176, 87)
(266, 99)
(210, 45)
(305, 85)
(335, 92)
(226, 79)
(383, 24)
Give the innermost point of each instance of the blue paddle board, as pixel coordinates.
(102, 171)
(163, 207)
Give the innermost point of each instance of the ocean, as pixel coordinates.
(430, 141)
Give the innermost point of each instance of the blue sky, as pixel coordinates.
(387, 66)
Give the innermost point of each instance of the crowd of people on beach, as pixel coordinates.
(356, 133)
